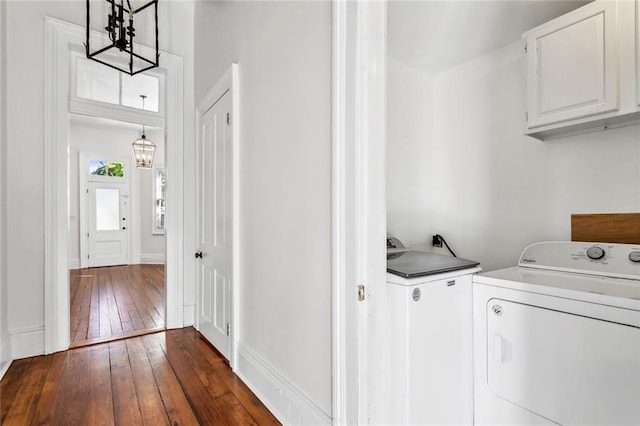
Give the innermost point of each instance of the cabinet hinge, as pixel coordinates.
(228, 119)
(525, 48)
(360, 292)
(228, 329)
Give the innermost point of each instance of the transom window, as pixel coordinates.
(106, 168)
(97, 82)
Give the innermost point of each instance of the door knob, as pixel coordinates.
(198, 254)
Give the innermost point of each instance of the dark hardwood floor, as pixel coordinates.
(167, 378)
(115, 302)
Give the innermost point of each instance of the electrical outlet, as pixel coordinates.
(436, 241)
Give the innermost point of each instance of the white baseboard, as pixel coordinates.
(27, 342)
(74, 263)
(189, 315)
(4, 367)
(289, 404)
(5, 353)
(152, 258)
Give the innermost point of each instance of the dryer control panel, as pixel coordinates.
(604, 259)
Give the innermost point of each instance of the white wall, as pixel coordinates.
(284, 54)
(5, 349)
(409, 144)
(493, 191)
(114, 139)
(25, 150)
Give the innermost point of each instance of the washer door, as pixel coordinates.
(568, 368)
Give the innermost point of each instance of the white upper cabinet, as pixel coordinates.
(583, 70)
(572, 67)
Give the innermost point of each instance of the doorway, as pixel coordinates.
(116, 233)
(61, 40)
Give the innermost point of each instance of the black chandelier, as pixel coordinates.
(121, 31)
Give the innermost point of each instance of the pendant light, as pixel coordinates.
(143, 148)
(120, 52)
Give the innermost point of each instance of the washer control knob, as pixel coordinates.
(595, 252)
(634, 256)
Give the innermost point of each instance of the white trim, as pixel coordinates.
(358, 204)
(152, 259)
(189, 315)
(27, 342)
(60, 37)
(288, 403)
(174, 212)
(344, 351)
(227, 82)
(235, 290)
(4, 367)
(370, 205)
(56, 128)
(74, 263)
(117, 113)
(5, 342)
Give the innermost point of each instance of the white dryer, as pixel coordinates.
(557, 338)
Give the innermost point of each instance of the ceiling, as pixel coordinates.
(437, 35)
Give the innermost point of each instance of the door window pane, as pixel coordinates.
(140, 84)
(97, 82)
(107, 209)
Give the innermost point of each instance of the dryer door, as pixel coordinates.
(568, 368)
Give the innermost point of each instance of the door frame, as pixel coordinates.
(358, 204)
(83, 200)
(228, 82)
(61, 38)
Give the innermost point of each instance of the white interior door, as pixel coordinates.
(108, 233)
(215, 224)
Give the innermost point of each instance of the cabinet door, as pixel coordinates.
(572, 69)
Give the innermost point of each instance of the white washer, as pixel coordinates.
(557, 339)
(430, 343)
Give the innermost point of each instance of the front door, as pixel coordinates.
(108, 232)
(215, 223)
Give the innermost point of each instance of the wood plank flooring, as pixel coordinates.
(115, 302)
(167, 378)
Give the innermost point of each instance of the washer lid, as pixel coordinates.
(414, 263)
